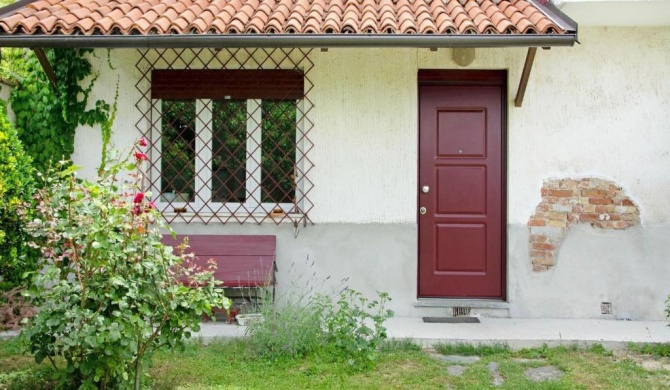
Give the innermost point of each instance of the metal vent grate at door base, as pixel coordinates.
(460, 311)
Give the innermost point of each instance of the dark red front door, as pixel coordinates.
(461, 188)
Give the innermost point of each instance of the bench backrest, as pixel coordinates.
(242, 260)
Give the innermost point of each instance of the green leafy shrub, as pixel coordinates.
(109, 293)
(355, 327)
(16, 190)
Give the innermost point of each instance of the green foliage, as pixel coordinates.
(46, 118)
(16, 190)
(200, 368)
(466, 349)
(349, 331)
(41, 379)
(293, 331)
(109, 293)
(399, 345)
(355, 327)
(12, 66)
(655, 350)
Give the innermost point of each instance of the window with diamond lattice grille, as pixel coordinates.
(233, 152)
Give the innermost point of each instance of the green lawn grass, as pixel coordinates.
(401, 365)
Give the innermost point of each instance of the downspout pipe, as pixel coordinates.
(288, 40)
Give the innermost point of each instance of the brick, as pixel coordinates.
(577, 208)
(556, 216)
(550, 199)
(536, 253)
(591, 193)
(584, 183)
(590, 208)
(621, 225)
(626, 210)
(572, 217)
(543, 261)
(551, 184)
(600, 209)
(627, 202)
(600, 201)
(588, 217)
(556, 223)
(541, 246)
(540, 268)
(537, 222)
(542, 207)
(549, 231)
(567, 184)
(562, 208)
(537, 238)
(560, 193)
(629, 217)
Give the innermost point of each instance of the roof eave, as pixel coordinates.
(288, 40)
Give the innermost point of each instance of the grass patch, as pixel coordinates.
(655, 350)
(401, 364)
(465, 349)
(229, 365)
(399, 345)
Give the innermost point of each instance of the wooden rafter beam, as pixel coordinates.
(46, 65)
(530, 57)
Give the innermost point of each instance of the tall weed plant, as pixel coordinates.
(344, 326)
(292, 331)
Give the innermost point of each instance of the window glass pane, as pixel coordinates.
(229, 153)
(178, 145)
(278, 151)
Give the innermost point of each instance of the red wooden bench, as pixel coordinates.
(244, 262)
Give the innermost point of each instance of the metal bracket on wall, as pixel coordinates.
(46, 65)
(523, 83)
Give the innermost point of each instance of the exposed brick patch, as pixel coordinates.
(565, 202)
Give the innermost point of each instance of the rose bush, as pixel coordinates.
(109, 293)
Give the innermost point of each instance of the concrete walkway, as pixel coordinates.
(516, 333)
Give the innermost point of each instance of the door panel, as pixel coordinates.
(461, 162)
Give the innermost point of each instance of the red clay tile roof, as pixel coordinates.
(132, 17)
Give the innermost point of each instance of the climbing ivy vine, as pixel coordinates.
(46, 117)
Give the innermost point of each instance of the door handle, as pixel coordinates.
(422, 210)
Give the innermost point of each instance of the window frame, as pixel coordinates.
(204, 158)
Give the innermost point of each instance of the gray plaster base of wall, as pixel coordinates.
(628, 268)
(374, 257)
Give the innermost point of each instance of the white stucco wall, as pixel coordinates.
(597, 109)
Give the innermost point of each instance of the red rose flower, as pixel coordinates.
(138, 197)
(139, 156)
(142, 142)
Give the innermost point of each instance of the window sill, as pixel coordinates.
(241, 217)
